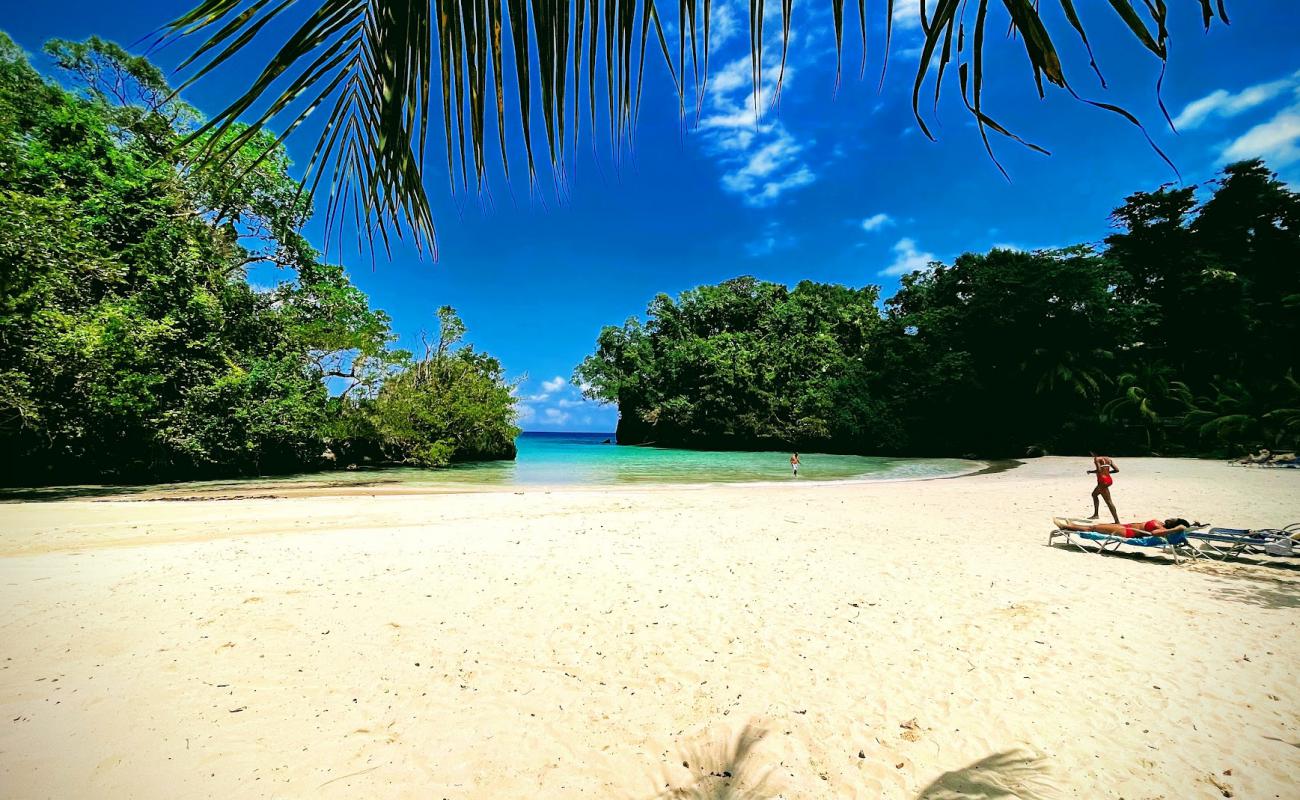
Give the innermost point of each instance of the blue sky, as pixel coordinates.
(833, 186)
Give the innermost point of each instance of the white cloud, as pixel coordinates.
(909, 43)
(907, 258)
(1222, 103)
(1276, 141)
(876, 221)
(723, 26)
(907, 14)
(560, 405)
(761, 159)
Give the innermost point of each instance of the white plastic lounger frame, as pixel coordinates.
(1112, 544)
(1264, 542)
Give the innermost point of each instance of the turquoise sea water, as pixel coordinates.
(571, 459)
(560, 459)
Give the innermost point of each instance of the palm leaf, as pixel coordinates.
(372, 63)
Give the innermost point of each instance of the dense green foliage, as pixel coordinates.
(745, 363)
(1179, 336)
(131, 344)
(450, 404)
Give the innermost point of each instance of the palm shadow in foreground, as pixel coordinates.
(1009, 774)
(721, 769)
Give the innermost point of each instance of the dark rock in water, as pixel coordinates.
(1035, 451)
(970, 457)
(607, 441)
(500, 450)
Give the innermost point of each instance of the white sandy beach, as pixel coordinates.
(895, 640)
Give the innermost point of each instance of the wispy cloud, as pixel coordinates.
(1276, 141)
(907, 14)
(773, 237)
(723, 26)
(524, 413)
(876, 221)
(908, 258)
(1222, 103)
(558, 403)
(761, 159)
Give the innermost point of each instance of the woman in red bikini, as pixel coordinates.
(1128, 530)
(1103, 467)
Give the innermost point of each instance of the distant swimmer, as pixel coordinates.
(794, 464)
(1103, 467)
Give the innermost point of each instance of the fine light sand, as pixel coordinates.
(896, 640)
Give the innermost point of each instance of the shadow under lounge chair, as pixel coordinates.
(1172, 544)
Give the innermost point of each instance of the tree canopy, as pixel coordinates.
(1177, 336)
(131, 343)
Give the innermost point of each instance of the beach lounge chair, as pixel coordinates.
(1172, 544)
(1225, 543)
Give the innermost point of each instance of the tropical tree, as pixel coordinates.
(1151, 397)
(454, 404)
(374, 63)
(132, 344)
(745, 364)
(1019, 347)
(1237, 416)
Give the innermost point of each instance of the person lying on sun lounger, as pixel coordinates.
(1128, 530)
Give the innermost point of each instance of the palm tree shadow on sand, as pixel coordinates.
(1009, 774)
(720, 768)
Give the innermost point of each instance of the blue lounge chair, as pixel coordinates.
(1172, 544)
(1225, 543)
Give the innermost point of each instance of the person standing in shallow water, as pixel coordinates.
(794, 464)
(1103, 467)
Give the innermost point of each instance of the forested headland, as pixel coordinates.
(132, 346)
(1176, 336)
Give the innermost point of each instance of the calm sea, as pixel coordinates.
(585, 459)
(579, 459)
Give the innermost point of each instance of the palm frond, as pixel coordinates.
(373, 64)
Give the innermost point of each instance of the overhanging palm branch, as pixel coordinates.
(372, 63)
